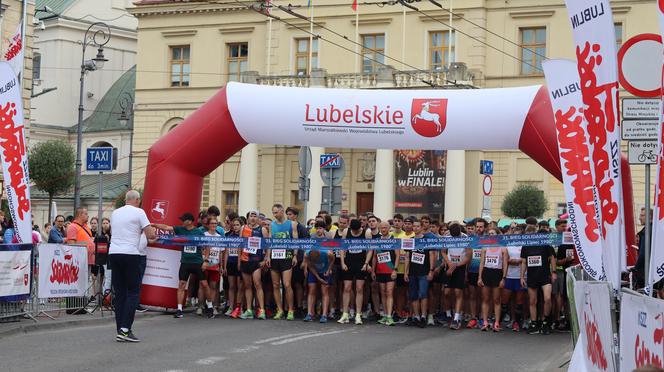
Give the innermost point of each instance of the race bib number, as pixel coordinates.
(569, 253)
(214, 254)
(455, 258)
(233, 252)
(278, 254)
(402, 258)
(384, 257)
(190, 249)
(337, 253)
(417, 258)
(534, 261)
(491, 261)
(354, 251)
(477, 254)
(251, 250)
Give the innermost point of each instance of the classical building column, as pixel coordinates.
(455, 185)
(384, 184)
(248, 194)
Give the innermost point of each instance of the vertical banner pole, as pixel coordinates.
(647, 232)
(100, 209)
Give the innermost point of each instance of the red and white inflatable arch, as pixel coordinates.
(484, 119)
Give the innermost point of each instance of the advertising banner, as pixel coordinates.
(15, 271)
(641, 331)
(162, 267)
(14, 155)
(593, 310)
(63, 270)
(562, 81)
(657, 255)
(597, 65)
(420, 185)
(14, 51)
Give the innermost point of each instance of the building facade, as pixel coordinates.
(190, 50)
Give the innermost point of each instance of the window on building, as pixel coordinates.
(180, 66)
(533, 49)
(618, 28)
(36, 66)
(441, 52)
(373, 49)
(230, 199)
(236, 63)
(302, 55)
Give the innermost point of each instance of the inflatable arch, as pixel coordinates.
(484, 119)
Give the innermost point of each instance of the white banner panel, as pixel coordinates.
(641, 332)
(395, 119)
(562, 80)
(593, 309)
(14, 51)
(63, 270)
(597, 64)
(162, 267)
(14, 156)
(14, 272)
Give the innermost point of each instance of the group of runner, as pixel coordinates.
(482, 288)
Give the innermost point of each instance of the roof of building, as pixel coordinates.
(114, 184)
(105, 116)
(57, 6)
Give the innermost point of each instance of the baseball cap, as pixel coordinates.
(187, 216)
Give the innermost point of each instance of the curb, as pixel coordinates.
(51, 325)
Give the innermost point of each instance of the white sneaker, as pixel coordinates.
(344, 319)
(199, 311)
(430, 320)
(358, 319)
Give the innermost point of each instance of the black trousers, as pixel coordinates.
(126, 285)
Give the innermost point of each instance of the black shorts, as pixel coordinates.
(354, 272)
(538, 281)
(281, 265)
(187, 269)
(400, 282)
(231, 269)
(472, 278)
(441, 278)
(384, 278)
(298, 275)
(492, 277)
(458, 278)
(94, 269)
(248, 267)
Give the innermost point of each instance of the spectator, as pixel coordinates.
(57, 233)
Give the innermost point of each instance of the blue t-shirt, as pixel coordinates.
(55, 236)
(323, 262)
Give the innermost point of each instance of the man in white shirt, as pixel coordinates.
(128, 224)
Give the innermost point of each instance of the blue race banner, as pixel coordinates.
(523, 240)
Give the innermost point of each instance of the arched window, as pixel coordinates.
(115, 151)
(170, 125)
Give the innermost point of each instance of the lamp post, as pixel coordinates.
(98, 34)
(127, 117)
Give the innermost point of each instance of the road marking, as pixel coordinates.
(272, 339)
(245, 349)
(210, 361)
(175, 370)
(294, 339)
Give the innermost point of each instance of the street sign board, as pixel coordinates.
(640, 108)
(303, 188)
(487, 185)
(486, 167)
(304, 161)
(336, 199)
(330, 161)
(639, 129)
(642, 152)
(334, 175)
(99, 159)
(486, 202)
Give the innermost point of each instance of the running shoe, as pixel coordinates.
(126, 337)
(248, 314)
(228, 312)
(291, 315)
(455, 324)
(533, 328)
(268, 313)
(382, 320)
(215, 312)
(345, 319)
(209, 312)
(401, 320)
(323, 319)
(430, 320)
(515, 326)
(546, 328)
(412, 321)
(422, 323)
(507, 319)
(236, 312)
(140, 309)
(389, 321)
(358, 319)
(496, 327)
(199, 311)
(178, 314)
(261, 314)
(308, 318)
(279, 315)
(120, 337)
(484, 327)
(481, 323)
(472, 324)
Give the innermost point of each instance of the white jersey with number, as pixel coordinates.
(493, 258)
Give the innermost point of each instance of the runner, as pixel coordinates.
(418, 274)
(216, 266)
(513, 285)
(252, 261)
(374, 311)
(385, 274)
(319, 265)
(194, 261)
(336, 292)
(298, 281)
(493, 268)
(281, 262)
(456, 260)
(401, 291)
(540, 264)
(473, 293)
(232, 273)
(355, 267)
(565, 257)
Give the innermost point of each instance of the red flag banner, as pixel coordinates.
(354, 6)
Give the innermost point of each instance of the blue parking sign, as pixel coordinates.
(99, 159)
(328, 161)
(486, 167)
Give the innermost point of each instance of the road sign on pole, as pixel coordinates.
(642, 152)
(304, 160)
(486, 167)
(639, 129)
(332, 171)
(99, 159)
(330, 161)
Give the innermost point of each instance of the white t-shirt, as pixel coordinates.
(514, 271)
(143, 245)
(127, 224)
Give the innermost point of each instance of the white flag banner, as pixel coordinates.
(597, 65)
(562, 81)
(14, 155)
(641, 332)
(14, 51)
(593, 310)
(63, 270)
(15, 269)
(657, 255)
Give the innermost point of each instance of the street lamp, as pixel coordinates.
(127, 117)
(98, 34)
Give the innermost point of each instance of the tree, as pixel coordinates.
(524, 201)
(51, 167)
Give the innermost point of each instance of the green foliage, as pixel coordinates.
(52, 166)
(524, 201)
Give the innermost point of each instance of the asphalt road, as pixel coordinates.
(197, 344)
